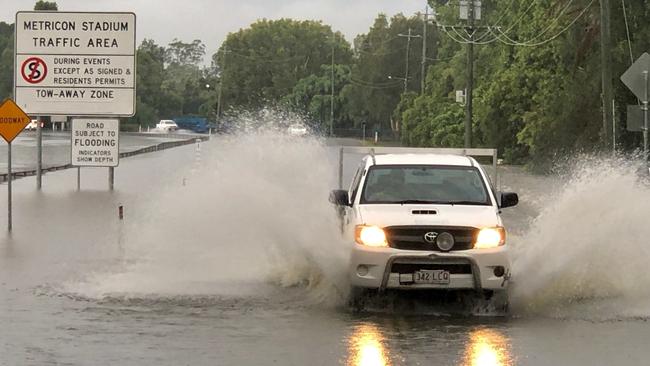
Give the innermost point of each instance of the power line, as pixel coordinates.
(627, 31)
(527, 44)
(503, 37)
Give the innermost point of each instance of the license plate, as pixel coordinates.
(436, 276)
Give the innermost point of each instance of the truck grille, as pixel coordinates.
(412, 237)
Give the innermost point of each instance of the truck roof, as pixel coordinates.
(422, 159)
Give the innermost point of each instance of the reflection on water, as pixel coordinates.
(487, 347)
(366, 347)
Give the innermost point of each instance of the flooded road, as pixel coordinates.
(229, 254)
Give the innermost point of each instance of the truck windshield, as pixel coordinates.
(404, 184)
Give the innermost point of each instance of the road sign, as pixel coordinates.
(634, 118)
(12, 120)
(95, 142)
(633, 77)
(71, 63)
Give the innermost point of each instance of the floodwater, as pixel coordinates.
(229, 254)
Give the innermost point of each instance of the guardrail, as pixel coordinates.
(125, 154)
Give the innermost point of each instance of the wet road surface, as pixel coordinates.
(228, 255)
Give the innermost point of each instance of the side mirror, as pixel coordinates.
(340, 197)
(508, 199)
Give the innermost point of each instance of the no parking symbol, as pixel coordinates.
(33, 70)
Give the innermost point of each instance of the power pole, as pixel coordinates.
(606, 72)
(470, 75)
(223, 68)
(332, 89)
(424, 49)
(408, 50)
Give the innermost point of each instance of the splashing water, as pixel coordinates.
(586, 253)
(256, 212)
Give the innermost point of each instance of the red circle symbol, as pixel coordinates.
(33, 70)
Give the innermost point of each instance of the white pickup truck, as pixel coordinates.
(167, 125)
(425, 221)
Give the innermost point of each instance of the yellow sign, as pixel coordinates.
(12, 120)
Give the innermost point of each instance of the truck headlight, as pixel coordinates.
(372, 236)
(490, 237)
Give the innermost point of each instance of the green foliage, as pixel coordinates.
(46, 5)
(171, 83)
(262, 64)
(312, 96)
(6, 60)
(381, 53)
(533, 103)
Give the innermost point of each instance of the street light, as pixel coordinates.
(405, 80)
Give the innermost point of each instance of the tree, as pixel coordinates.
(312, 96)
(171, 82)
(6, 60)
(261, 64)
(536, 97)
(46, 5)
(381, 53)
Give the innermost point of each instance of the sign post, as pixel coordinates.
(95, 143)
(12, 121)
(636, 79)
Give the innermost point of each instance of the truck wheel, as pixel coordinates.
(492, 302)
(358, 298)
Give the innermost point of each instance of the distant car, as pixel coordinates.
(33, 125)
(167, 125)
(297, 130)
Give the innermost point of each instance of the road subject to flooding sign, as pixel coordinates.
(95, 142)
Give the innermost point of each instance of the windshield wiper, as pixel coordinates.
(465, 203)
(429, 202)
(405, 202)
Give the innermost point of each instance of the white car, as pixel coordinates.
(167, 125)
(425, 221)
(297, 130)
(33, 125)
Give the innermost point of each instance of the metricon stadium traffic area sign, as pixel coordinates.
(71, 63)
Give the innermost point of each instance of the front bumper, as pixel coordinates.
(377, 268)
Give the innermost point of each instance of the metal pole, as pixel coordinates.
(406, 72)
(332, 90)
(78, 178)
(223, 67)
(9, 178)
(39, 154)
(424, 49)
(111, 178)
(613, 126)
(341, 168)
(645, 118)
(606, 69)
(470, 75)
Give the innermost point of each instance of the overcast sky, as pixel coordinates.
(211, 20)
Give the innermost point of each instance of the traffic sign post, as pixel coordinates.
(95, 143)
(12, 121)
(636, 79)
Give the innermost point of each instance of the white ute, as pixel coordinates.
(425, 221)
(167, 125)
